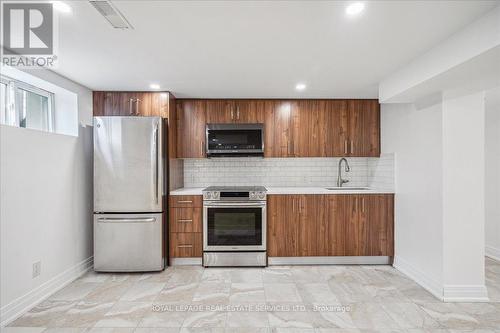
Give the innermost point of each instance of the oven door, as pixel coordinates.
(234, 226)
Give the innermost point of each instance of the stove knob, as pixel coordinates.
(262, 195)
(208, 195)
(215, 195)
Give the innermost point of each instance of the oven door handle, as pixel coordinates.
(234, 204)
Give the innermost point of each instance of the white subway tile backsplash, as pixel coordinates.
(288, 172)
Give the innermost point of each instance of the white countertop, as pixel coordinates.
(291, 190)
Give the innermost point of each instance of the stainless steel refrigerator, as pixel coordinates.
(129, 212)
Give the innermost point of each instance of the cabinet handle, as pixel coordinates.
(185, 201)
(352, 152)
(232, 114)
(130, 106)
(238, 112)
(137, 106)
(345, 147)
(202, 149)
(184, 246)
(184, 221)
(363, 205)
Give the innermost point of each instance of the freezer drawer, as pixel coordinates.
(128, 164)
(128, 242)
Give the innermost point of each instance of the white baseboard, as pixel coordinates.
(467, 293)
(493, 252)
(428, 283)
(23, 304)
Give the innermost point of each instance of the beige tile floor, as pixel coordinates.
(323, 299)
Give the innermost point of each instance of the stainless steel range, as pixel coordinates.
(234, 226)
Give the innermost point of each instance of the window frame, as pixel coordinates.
(12, 102)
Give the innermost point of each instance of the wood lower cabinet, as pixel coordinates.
(330, 225)
(311, 221)
(332, 238)
(283, 225)
(186, 201)
(186, 245)
(186, 219)
(379, 221)
(185, 226)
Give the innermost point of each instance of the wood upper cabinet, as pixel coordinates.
(112, 103)
(191, 122)
(235, 111)
(364, 128)
(319, 128)
(220, 111)
(283, 225)
(336, 120)
(293, 128)
(278, 128)
(330, 225)
(249, 111)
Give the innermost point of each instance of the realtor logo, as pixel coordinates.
(29, 34)
(28, 28)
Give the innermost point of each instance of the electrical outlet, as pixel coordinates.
(37, 269)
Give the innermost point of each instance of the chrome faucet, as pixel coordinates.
(341, 181)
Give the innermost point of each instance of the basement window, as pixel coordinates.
(24, 105)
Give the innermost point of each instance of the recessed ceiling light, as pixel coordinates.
(154, 86)
(300, 86)
(354, 8)
(61, 6)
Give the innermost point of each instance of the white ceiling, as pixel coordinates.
(254, 49)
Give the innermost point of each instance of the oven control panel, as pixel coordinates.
(211, 195)
(258, 195)
(235, 194)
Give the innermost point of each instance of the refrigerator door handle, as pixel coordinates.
(156, 164)
(125, 220)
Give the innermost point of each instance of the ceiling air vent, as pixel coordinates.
(111, 13)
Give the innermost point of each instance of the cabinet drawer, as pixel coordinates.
(185, 244)
(185, 220)
(181, 201)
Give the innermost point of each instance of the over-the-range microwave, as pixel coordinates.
(234, 140)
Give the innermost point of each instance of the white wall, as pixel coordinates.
(46, 206)
(415, 136)
(492, 189)
(463, 196)
(440, 182)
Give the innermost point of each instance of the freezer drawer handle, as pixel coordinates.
(126, 220)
